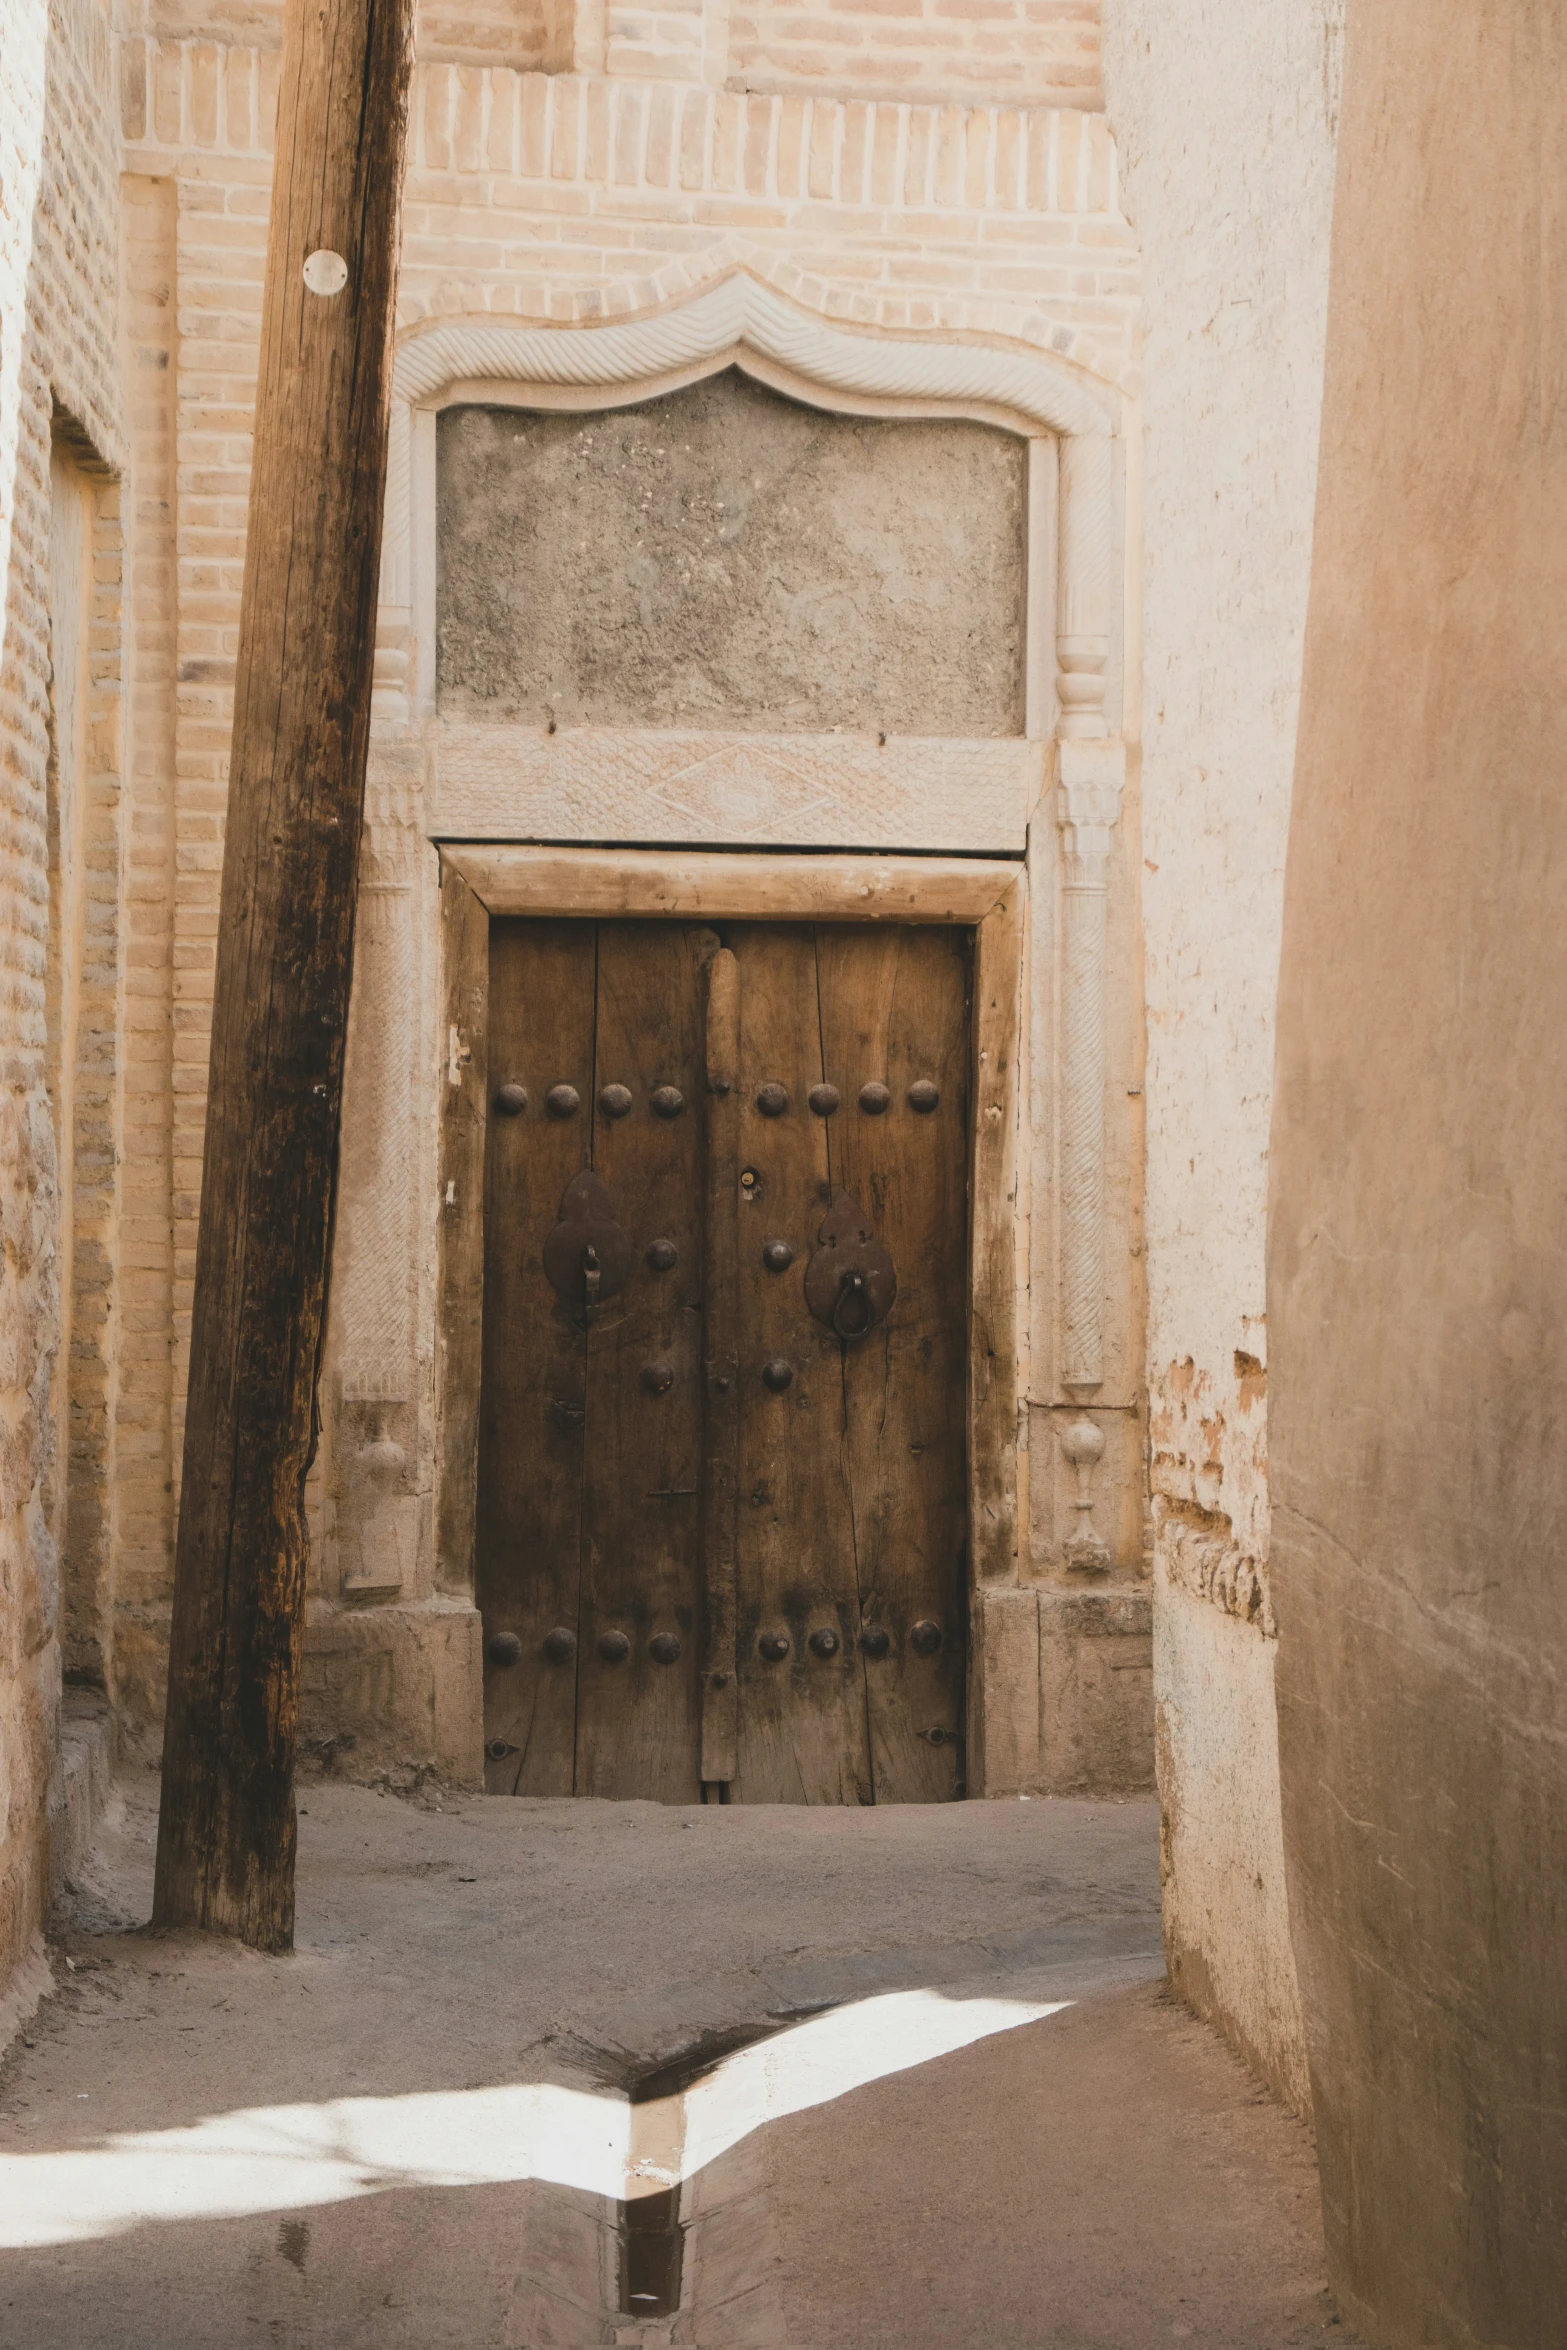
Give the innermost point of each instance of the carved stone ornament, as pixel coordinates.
(1083, 1443)
(1092, 776)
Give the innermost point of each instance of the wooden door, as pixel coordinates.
(720, 1539)
(589, 1527)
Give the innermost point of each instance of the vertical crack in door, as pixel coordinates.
(843, 1389)
(587, 1386)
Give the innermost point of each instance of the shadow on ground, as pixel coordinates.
(1104, 2178)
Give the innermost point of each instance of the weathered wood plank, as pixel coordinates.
(692, 887)
(494, 780)
(802, 1716)
(894, 1011)
(533, 1414)
(721, 1369)
(285, 943)
(994, 1277)
(638, 1716)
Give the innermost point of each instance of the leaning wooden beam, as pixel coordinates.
(285, 945)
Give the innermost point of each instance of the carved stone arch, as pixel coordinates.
(740, 320)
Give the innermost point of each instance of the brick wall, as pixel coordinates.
(1017, 52)
(917, 164)
(145, 1465)
(1023, 52)
(58, 173)
(562, 195)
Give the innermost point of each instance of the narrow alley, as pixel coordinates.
(948, 2100)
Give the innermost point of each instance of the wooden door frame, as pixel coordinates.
(988, 895)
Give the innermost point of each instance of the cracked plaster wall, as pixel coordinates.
(726, 557)
(1225, 119)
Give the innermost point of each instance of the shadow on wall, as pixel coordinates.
(1417, 1282)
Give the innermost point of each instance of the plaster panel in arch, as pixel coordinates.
(723, 556)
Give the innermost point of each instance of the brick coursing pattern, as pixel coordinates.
(1022, 52)
(59, 157)
(149, 355)
(1033, 52)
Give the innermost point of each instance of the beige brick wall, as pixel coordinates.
(148, 222)
(482, 32)
(565, 197)
(561, 196)
(58, 379)
(1023, 52)
(1018, 52)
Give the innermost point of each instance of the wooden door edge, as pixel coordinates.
(994, 1194)
(465, 989)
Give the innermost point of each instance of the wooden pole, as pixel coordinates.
(285, 944)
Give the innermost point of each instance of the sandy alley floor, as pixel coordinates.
(896, 2078)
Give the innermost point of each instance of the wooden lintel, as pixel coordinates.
(685, 886)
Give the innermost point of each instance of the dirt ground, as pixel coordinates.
(1103, 2177)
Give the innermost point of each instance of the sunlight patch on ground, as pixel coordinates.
(284, 2157)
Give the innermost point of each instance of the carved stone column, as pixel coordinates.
(1091, 774)
(374, 1272)
(1084, 584)
(1088, 803)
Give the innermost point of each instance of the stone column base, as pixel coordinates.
(1061, 1693)
(395, 1692)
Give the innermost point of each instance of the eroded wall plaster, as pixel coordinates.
(724, 557)
(1225, 118)
(1417, 1283)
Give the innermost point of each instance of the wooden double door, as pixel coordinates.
(722, 1482)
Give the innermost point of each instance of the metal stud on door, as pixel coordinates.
(638, 1707)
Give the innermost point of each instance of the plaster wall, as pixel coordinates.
(730, 559)
(1225, 117)
(1417, 1280)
